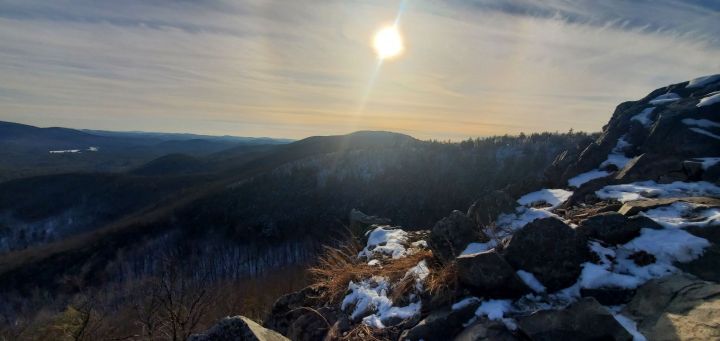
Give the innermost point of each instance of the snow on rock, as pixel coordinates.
(386, 240)
(705, 132)
(702, 81)
(651, 189)
(617, 155)
(420, 273)
(552, 197)
(682, 214)
(474, 248)
(69, 151)
(581, 179)
(596, 276)
(531, 281)
(708, 162)
(710, 99)
(494, 309)
(630, 326)
(369, 297)
(522, 217)
(644, 116)
(669, 245)
(665, 99)
(702, 123)
(465, 302)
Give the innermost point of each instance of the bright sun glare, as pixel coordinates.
(388, 43)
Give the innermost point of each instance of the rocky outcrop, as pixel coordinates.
(238, 328)
(583, 320)
(358, 219)
(549, 249)
(677, 307)
(487, 274)
(290, 316)
(452, 234)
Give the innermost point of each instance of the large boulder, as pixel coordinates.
(650, 166)
(440, 324)
(551, 250)
(238, 328)
(487, 330)
(488, 274)
(290, 316)
(677, 307)
(583, 320)
(452, 234)
(614, 228)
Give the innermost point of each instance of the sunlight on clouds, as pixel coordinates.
(294, 70)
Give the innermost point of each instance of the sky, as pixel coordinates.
(299, 68)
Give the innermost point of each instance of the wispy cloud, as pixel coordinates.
(298, 68)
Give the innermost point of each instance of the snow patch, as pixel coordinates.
(702, 123)
(708, 162)
(494, 309)
(617, 155)
(474, 248)
(581, 179)
(531, 281)
(68, 151)
(651, 189)
(682, 214)
(710, 99)
(665, 99)
(644, 116)
(465, 302)
(370, 297)
(522, 217)
(702, 81)
(630, 326)
(705, 132)
(552, 197)
(669, 245)
(386, 240)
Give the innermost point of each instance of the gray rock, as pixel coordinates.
(452, 234)
(614, 228)
(440, 324)
(488, 274)
(583, 320)
(487, 330)
(357, 217)
(677, 307)
(238, 328)
(551, 250)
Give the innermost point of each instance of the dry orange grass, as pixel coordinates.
(340, 265)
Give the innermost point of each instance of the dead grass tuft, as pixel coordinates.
(340, 265)
(442, 283)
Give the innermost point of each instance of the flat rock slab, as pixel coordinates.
(634, 207)
(678, 307)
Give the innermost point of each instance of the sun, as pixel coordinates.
(388, 42)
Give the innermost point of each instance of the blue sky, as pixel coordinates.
(305, 67)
